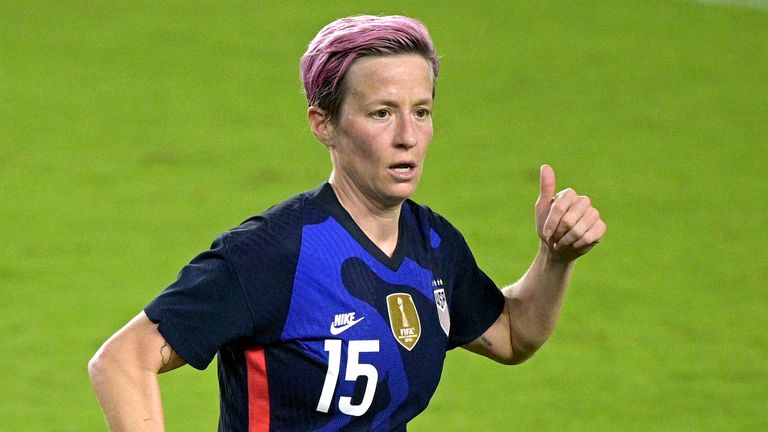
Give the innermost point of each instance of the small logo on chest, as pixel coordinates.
(404, 319)
(342, 322)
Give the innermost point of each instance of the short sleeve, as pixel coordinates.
(203, 309)
(474, 301)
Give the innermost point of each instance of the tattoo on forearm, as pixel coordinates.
(486, 341)
(166, 354)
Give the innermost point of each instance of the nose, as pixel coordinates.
(406, 132)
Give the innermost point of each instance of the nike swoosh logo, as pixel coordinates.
(338, 330)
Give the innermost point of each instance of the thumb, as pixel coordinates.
(546, 184)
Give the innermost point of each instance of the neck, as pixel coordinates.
(380, 223)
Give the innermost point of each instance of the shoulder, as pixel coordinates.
(433, 225)
(276, 231)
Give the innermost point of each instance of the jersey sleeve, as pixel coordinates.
(204, 308)
(476, 300)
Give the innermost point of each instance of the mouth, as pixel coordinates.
(403, 167)
(403, 170)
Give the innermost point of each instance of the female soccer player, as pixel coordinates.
(333, 310)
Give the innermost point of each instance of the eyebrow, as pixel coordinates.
(392, 102)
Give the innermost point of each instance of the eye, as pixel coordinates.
(423, 112)
(380, 114)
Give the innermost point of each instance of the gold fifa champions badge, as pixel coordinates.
(404, 319)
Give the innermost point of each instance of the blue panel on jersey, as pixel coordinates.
(335, 275)
(434, 239)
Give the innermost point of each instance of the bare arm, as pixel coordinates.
(568, 227)
(124, 373)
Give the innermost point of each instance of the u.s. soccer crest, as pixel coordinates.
(441, 303)
(404, 319)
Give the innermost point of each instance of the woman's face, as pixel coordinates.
(384, 127)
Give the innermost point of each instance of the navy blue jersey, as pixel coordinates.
(316, 329)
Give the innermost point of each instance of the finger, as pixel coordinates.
(559, 207)
(579, 205)
(546, 197)
(546, 183)
(582, 226)
(593, 236)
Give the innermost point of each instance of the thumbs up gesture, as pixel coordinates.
(566, 222)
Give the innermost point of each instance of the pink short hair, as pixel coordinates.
(340, 43)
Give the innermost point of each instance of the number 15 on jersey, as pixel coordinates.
(354, 369)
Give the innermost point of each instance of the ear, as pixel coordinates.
(320, 125)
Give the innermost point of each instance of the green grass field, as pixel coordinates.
(132, 133)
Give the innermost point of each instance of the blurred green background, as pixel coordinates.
(133, 132)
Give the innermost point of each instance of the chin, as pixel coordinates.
(403, 191)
